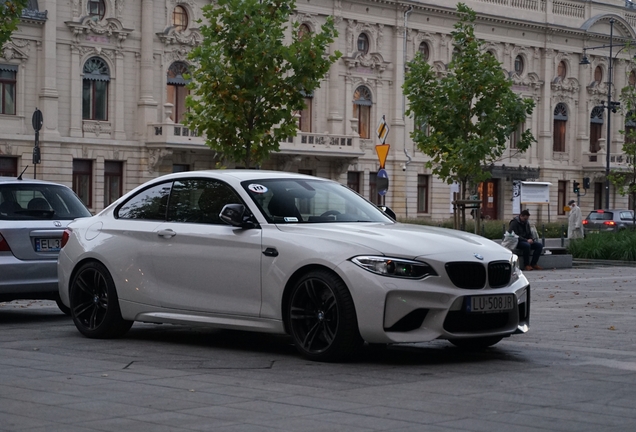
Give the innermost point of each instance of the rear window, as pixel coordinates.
(601, 216)
(31, 201)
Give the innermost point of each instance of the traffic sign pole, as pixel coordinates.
(37, 120)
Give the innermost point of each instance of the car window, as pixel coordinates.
(311, 201)
(627, 216)
(32, 201)
(200, 201)
(601, 216)
(148, 204)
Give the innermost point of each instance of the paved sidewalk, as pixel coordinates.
(574, 371)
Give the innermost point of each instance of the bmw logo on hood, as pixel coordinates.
(479, 257)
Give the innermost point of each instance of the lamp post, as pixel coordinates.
(611, 106)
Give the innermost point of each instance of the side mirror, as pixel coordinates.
(234, 214)
(390, 213)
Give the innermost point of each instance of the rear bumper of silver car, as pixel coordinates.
(27, 279)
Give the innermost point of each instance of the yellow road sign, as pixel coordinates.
(383, 151)
(382, 130)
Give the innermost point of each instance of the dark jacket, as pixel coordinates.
(522, 229)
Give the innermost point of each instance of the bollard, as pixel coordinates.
(562, 237)
(543, 233)
(483, 231)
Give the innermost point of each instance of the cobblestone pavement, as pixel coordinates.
(574, 371)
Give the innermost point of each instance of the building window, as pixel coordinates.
(562, 70)
(304, 122)
(177, 90)
(598, 75)
(180, 18)
(113, 181)
(422, 193)
(180, 168)
(8, 167)
(632, 78)
(519, 66)
(560, 122)
(362, 102)
(83, 180)
(363, 43)
(353, 181)
(630, 127)
(561, 196)
(95, 89)
(599, 187)
(7, 87)
(424, 51)
(596, 128)
(515, 136)
(96, 9)
(303, 31)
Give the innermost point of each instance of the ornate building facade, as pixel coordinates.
(107, 76)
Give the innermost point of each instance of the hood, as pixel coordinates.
(401, 240)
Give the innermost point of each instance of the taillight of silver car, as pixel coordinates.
(66, 235)
(4, 246)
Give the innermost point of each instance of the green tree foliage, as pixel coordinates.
(625, 180)
(10, 13)
(251, 76)
(470, 110)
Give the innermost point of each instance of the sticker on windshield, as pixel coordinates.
(290, 219)
(256, 188)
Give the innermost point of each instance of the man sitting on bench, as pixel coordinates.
(521, 227)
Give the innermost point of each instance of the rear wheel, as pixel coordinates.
(476, 344)
(322, 317)
(94, 303)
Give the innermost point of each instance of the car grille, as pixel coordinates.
(467, 275)
(464, 322)
(499, 273)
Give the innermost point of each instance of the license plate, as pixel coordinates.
(493, 303)
(48, 245)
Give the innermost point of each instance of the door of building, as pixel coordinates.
(488, 193)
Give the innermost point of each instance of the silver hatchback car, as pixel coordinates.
(33, 216)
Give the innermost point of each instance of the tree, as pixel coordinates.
(470, 110)
(248, 83)
(10, 13)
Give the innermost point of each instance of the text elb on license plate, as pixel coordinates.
(48, 245)
(492, 303)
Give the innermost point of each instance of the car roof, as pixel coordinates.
(609, 210)
(243, 175)
(26, 180)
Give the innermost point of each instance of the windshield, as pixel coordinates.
(32, 201)
(311, 201)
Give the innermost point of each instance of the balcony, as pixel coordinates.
(597, 161)
(317, 144)
(173, 135)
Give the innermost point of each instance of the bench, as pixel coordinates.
(557, 258)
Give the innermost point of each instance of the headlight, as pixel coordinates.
(514, 264)
(394, 267)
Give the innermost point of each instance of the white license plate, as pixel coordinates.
(48, 245)
(493, 303)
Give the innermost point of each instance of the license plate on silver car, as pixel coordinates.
(491, 303)
(47, 245)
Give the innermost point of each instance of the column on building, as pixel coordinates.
(48, 92)
(334, 117)
(76, 92)
(583, 115)
(544, 147)
(620, 81)
(120, 111)
(147, 106)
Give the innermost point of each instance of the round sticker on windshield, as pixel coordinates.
(256, 188)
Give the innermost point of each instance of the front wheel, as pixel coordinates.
(94, 303)
(322, 317)
(476, 344)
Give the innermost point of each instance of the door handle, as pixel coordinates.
(166, 233)
(271, 252)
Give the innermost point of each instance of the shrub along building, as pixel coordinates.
(108, 76)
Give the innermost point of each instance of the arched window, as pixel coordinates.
(180, 18)
(363, 43)
(519, 65)
(177, 90)
(424, 51)
(598, 75)
(303, 31)
(95, 89)
(596, 128)
(562, 70)
(560, 122)
(96, 8)
(630, 127)
(632, 78)
(362, 102)
(304, 122)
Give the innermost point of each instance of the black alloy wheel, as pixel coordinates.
(476, 344)
(322, 318)
(94, 303)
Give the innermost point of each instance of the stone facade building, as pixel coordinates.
(107, 76)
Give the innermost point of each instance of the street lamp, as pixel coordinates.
(610, 105)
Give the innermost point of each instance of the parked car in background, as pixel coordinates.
(608, 220)
(33, 216)
(285, 253)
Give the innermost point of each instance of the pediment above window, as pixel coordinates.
(190, 37)
(15, 49)
(568, 85)
(373, 61)
(108, 27)
(529, 80)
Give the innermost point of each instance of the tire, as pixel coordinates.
(65, 309)
(476, 344)
(94, 303)
(322, 317)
